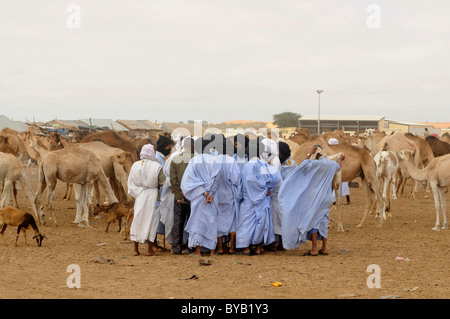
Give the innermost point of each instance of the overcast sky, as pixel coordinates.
(221, 60)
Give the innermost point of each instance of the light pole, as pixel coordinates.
(318, 118)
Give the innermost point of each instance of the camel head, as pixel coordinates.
(406, 155)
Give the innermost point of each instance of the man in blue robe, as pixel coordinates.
(199, 186)
(255, 223)
(228, 197)
(305, 199)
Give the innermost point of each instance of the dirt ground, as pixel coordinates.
(42, 272)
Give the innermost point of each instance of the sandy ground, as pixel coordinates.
(42, 272)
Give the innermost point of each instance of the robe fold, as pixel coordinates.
(165, 208)
(201, 175)
(254, 222)
(228, 195)
(305, 199)
(143, 185)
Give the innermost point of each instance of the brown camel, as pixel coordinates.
(14, 141)
(76, 166)
(439, 148)
(437, 174)
(106, 154)
(11, 171)
(113, 139)
(367, 141)
(357, 163)
(445, 138)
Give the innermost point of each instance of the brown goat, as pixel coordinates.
(15, 217)
(115, 212)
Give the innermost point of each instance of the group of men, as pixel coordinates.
(214, 195)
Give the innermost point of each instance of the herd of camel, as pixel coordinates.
(101, 161)
(424, 159)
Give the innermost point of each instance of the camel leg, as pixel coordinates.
(80, 195)
(435, 191)
(6, 196)
(14, 189)
(340, 227)
(85, 216)
(443, 207)
(368, 195)
(393, 188)
(50, 196)
(386, 197)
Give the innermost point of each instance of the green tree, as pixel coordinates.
(286, 119)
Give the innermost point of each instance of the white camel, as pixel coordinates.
(387, 166)
(437, 174)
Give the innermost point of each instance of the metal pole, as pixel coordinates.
(318, 117)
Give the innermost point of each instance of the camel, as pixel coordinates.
(357, 163)
(300, 136)
(14, 141)
(5, 146)
(445, 137)
(387, 166)
(437, 174)
(76, 166)
(439, 148)
(105, 153)
(426, 153)
(397, 142)
(113, 139)
(11, 171)
(367, 141)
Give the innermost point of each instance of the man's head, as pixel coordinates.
(284, 151)
(164, 145)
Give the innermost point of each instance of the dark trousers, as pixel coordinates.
(181, 213)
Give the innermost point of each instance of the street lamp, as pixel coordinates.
(318, 118)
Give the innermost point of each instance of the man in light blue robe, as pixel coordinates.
(255, 222)
(305, 198)
(228, 197)
(199, 186)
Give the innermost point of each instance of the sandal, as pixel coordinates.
(308, 253)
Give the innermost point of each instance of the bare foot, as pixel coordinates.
(136, 253)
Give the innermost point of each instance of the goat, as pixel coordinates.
(15, 217)
(115, 212)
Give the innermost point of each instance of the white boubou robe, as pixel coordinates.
(166, 201)
(143, 185)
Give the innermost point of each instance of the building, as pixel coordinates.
(194, 129)
(104, 124)
(141, 128)
(13, 125)
(415, 128)
(350, 124)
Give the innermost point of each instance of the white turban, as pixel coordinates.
(148, 152)
(333, 141)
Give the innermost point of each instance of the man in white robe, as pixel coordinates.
(145, 178)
